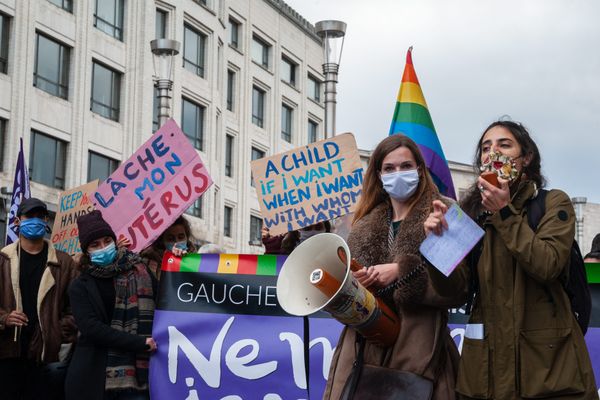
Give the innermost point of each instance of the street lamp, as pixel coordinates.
(579, 203)
(164, 52)
(332, 33)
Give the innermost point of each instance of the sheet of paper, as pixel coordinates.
(446, 251)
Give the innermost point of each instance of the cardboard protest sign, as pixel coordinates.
(309, 184)
(72, 204)
(153, 187)
(210, 325)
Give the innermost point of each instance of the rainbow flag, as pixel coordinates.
(411, 118)
(249, 264)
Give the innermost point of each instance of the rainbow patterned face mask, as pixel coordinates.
(503, 166)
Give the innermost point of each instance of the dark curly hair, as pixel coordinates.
(533, 170)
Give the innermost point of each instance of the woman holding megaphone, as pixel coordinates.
(386, 234)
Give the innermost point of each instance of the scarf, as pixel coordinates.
(133, 313)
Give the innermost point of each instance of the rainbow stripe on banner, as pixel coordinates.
(411, 118)
(593, 272)
(248, 264)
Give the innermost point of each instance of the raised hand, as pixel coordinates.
(436, 221)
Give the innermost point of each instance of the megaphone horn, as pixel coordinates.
(316, 275)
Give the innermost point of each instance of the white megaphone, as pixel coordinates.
(316, 275)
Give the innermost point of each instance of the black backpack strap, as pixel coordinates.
(536, 208)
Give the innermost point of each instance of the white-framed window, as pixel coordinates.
(260, 51)
(234, 33)
(313, 88)
(194, 49)
(288, 70)
(106, 91)
(313, 131)
(227, 222)
(287, 115)
(258, 106)
(47, 160)
(108, 17)
(192, 122)
(51, 69)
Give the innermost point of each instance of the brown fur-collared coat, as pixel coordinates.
(424, 345)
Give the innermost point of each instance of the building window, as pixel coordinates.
(286, 123)
(4, 25)
(313, 128)
(51, 70)
(314, 88)
(100, 167)
(230, 89)
(260, 52)
(160, 24)
(255, 155)
(202, 2)
(194, 44)
(192, 123)
(108, 17)
(258, 106)
(234, 33)
(2, 138)
(288, 71)
(66, 5)
(196, 208)
(47, 159)
(106, 91)
(227, 215)
(255, 230)
(229, 156)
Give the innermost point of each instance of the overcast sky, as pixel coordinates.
(537, 61)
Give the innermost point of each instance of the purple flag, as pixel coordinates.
(20, 191)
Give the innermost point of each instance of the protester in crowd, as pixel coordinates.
(594, 255)
(385, 238)
(113, 305)
(36, 324)
(272, 243)
(292, 239)
(177, 238)
(522, 340)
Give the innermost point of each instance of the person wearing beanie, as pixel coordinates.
(113, 305)
(37, 328)
(594, 255)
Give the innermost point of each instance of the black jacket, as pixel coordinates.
(87, 371)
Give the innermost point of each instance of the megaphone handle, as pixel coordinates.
(355, 265)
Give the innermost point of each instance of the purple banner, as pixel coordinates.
(223, 356)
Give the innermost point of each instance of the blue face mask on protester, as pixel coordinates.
(104, 256)
(179, 245)
(33, 228)
(401, 185)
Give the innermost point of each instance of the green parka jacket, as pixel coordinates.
(532, 346)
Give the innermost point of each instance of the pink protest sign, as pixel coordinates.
(153, 187)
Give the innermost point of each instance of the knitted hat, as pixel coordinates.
(91, 227)
(595, 251)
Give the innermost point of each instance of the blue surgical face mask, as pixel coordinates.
(401, 185)
(33, 228)
(180, 245)
(104, 256)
